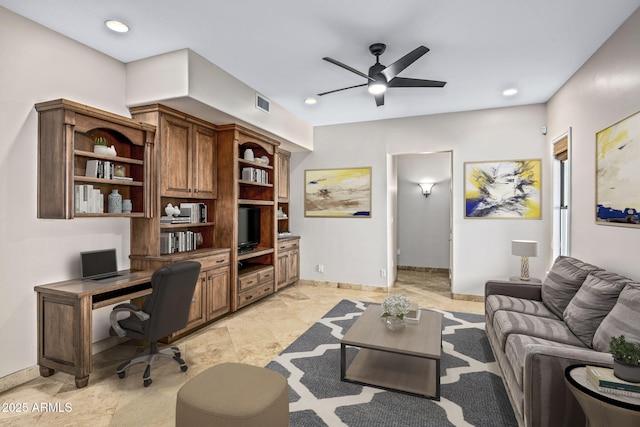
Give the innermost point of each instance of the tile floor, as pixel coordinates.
(253, 335)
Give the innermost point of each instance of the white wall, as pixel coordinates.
(40, 65)
(605, 90)
(424, 222)
(354, 250)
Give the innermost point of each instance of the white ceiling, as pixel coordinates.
(276, 46)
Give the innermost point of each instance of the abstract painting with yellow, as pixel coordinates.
(343, 193)
(503, 189)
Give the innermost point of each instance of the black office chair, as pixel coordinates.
(165, 311)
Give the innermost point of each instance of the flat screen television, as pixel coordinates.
(248, 228)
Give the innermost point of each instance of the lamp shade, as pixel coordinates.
(524, 248)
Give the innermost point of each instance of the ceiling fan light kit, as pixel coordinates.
(380, 77)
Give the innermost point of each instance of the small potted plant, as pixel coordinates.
(100, 145)
(626, 359)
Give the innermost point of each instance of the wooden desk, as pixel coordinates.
(64, 319)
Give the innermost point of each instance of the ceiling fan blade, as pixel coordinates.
(379, 99)
(346, 67)
(394, 69)
(338, 90)
(405, 82)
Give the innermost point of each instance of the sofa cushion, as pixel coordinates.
(593, 301)
(506, 323)
(516, 351)
(563, 281)
(494, 303)
(624, 319)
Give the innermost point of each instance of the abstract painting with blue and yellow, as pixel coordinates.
(617, 173)
(503, 189)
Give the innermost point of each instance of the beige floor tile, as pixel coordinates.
(253, 335)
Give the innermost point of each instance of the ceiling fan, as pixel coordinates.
(380, 77)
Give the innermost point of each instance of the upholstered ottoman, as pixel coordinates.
(234, 395)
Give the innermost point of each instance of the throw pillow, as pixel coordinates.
(593, 301)
(624, 319)
(563, 281)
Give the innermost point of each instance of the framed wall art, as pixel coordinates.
(506, 189)
(617, 178)
(337, 193)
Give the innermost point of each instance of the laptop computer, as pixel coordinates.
(100, 265)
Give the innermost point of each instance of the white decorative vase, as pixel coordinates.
(127, 207)
(115, 202)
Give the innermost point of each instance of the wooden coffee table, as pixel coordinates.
(406, 360)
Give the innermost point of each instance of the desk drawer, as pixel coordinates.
(247, 281)
(266, 275)
(254, 294)
(288, 245)
(213, 261)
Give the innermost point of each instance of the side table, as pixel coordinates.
(600, 408)
(518, 279)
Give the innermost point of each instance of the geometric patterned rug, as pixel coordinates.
(472, 393)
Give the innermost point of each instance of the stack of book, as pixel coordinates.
(88, 199)
(255, 175)
(604, 380)
(179, 241)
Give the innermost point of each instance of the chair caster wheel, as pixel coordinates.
(177, 354)
(184, 368)
(121, 375)
(148, 382)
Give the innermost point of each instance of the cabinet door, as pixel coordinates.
(293, 266)
(176, 156)
(283, 177)
(204, 163)
(282, 268)
(218, 292)
(197, 310)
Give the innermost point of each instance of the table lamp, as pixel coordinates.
(524, 249)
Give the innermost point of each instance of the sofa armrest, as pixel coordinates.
(532, 291)
(547, 400)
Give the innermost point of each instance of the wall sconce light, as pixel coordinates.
(524, 249)
(426, 188)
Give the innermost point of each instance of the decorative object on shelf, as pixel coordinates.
(265, 160)
(115, 202)
(394, 308)
(248, 155)
(617, 180)
(281, 213)
(337, 193)
(524, 249)
(171, 210)
(426, 188)
(503, 189)
(126, 206)
(119, 171)
(626, 359)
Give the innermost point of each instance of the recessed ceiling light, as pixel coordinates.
(510, 92)
(310, 101)
(116, 26)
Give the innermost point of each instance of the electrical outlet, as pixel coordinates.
(383, 273)
(320, 268)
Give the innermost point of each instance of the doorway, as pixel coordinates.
(423, 227)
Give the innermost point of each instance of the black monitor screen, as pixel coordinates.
(248, 227)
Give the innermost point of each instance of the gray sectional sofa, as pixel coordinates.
(537, 330)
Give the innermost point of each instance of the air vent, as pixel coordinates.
(263, 103)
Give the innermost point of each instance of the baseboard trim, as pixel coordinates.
(466, 297)
(32, 372)
(18, 378)
(340, 285)
(424, 269)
